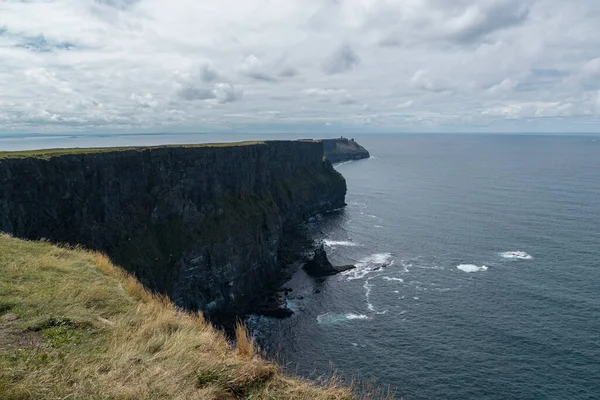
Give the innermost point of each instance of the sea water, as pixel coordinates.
(478, 271)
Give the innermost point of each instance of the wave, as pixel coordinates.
(368, 286)
(341, 163)
(369, 264)
(471, 268)
(333, 318)
(333, 243)
(387, 278)
(356, 316)
(516, 255)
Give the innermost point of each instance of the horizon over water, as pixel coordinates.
(492, 253)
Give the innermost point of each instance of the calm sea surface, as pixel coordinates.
(493, 284)
(493, 291)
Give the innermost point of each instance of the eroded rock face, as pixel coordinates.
(342, 149)
(320, 265)
(200, 224)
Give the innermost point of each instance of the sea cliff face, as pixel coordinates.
(202, 224)
(342, 149)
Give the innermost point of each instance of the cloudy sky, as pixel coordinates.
(299, 66)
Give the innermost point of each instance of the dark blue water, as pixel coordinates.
(520, 325)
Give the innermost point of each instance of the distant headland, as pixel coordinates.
(342, 149)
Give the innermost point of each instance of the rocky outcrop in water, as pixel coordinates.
(320, 265)
(342, 149)
(202, 224)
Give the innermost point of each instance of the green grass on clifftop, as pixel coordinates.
(49, 153)
(74, 326)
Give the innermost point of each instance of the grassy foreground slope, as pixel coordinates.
(74, 326)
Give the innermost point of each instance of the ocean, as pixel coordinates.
(492, 283)
(478, 267)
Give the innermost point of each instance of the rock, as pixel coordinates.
(381, 266)
(320, 265)
(276, 312)
(342, 149)
(343, 268)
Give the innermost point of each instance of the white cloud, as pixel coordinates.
(341, 60)
(200, 65)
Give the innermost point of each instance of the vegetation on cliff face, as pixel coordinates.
(74, 326)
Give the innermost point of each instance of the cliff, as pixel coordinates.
(75, 326)
(342, 149)
(202, 224)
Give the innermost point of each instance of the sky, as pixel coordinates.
(125, 66)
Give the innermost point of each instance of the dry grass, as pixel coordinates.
(101, 335)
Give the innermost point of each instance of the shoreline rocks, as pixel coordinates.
(320, 265)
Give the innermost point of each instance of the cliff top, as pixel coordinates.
(343, 149)
(49, 153)
(73, 325)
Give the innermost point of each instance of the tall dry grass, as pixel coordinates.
(116, 340)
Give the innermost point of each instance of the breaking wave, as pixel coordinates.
(516, 255)
(471, 268)
(369, 264)
(334, 243)
(333, 318)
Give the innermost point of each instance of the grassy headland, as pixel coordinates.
(49, 153)
(74, 326)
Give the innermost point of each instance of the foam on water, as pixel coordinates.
(334, 243)
(368, 287)
(356, 316)
(369, 264)
(387, 278)
(471, 268)
(334, 318)
(516, 255)
(341, 163)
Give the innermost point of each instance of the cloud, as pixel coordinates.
(208, 73)
(254, 68)
(505, 86)
(341, 60)
(288, 72)
(459, 22)
(424, 81)
(226, 93)
(481, 19)
(376, 65)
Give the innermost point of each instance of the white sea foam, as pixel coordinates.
(333, 318)
(378, 226)
(368, 287)
(516, 255)
(369, 264)
(387, 278)
(356, 316)
(334, 243)
(471, 268)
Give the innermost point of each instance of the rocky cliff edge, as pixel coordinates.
(202, 224)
